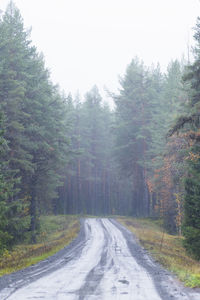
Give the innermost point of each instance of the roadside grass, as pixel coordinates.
(165, 248)
(56, 232)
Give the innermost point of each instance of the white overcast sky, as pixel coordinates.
(87, 42)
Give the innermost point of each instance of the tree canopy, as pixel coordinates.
(72, 155)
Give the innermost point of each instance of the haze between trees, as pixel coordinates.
(64, 155)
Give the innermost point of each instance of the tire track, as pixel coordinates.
(105, 262)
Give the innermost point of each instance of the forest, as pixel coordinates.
(65, 155)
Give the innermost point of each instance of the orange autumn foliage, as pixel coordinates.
(166, 181)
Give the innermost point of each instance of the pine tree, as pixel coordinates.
(36, 126)
(92, 183)
(191, 229)
(13, 217)
(168, 168)
(133, 134)
(190, 126)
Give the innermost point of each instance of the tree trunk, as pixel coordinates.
(33, 211)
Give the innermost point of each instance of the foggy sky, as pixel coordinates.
(87, 42)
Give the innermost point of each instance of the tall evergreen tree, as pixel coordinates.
(13, 217)
(133, 135)
(190, 125)
(36, 126)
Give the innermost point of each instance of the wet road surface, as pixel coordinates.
(107, 264)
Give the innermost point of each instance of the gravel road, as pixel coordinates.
(104, 262)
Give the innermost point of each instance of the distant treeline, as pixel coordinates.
(77, 156)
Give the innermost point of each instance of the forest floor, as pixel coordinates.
(56, 232)
(105, 261)
(167, 249)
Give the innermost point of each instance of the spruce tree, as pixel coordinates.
(36, 122)
(190, 125)
(13, 217)
(133, 135)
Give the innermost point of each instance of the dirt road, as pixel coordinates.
(105, 262)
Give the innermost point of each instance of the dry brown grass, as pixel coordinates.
(56, 233)
(165, 248)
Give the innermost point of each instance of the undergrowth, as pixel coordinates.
(165, 248)
(56, 232)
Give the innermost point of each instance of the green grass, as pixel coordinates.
(165, 248)
(56, 232)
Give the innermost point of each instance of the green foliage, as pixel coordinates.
(193, 280)
(146, 107)
(92, 184)
(70, 156)
(192, 240)
(133, 130)
(56, 232)
(189, 124)
(11, 212)
(35, 146)
(191, 227)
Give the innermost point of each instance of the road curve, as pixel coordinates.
(107, 264)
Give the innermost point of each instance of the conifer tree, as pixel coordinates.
(36, 126)
(133, 135)
(13, 217)
(189, 124)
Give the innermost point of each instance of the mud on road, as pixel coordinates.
(104, 262)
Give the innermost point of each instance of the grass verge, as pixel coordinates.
(165, 248)
(56, 232)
